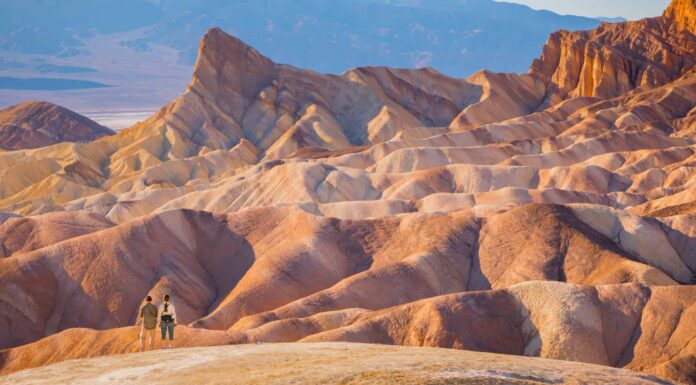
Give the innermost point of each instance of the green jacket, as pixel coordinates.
(149, 315)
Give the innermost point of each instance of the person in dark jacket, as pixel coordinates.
(148, 315)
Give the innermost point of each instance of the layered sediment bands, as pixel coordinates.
(550, 214)
(207, 142)
(244, 270)
(616, 325)
(237, 93)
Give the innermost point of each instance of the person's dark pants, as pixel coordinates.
(167, 327)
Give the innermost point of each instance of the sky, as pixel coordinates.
(629, 9)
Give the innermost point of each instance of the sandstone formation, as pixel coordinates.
(551, 214)
(683, 14)
(36, 124)
(616, 58)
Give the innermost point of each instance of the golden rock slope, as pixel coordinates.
(550, 214)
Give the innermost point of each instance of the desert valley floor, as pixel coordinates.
(549, 214)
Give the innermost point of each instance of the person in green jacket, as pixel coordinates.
(148, 314)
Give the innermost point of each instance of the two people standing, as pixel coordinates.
(167, 321)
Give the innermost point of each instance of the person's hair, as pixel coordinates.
(148, 299)
(166, 299)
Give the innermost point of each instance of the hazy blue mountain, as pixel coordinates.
(56, 84)
(56, 26)
(457, 37)
(612, 19)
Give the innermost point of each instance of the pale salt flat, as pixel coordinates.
(119, 119)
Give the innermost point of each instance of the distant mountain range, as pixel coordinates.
(137, 55)
(458, 37)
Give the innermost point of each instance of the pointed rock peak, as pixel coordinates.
(683, 14)
(216, 39)
(224, 59)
